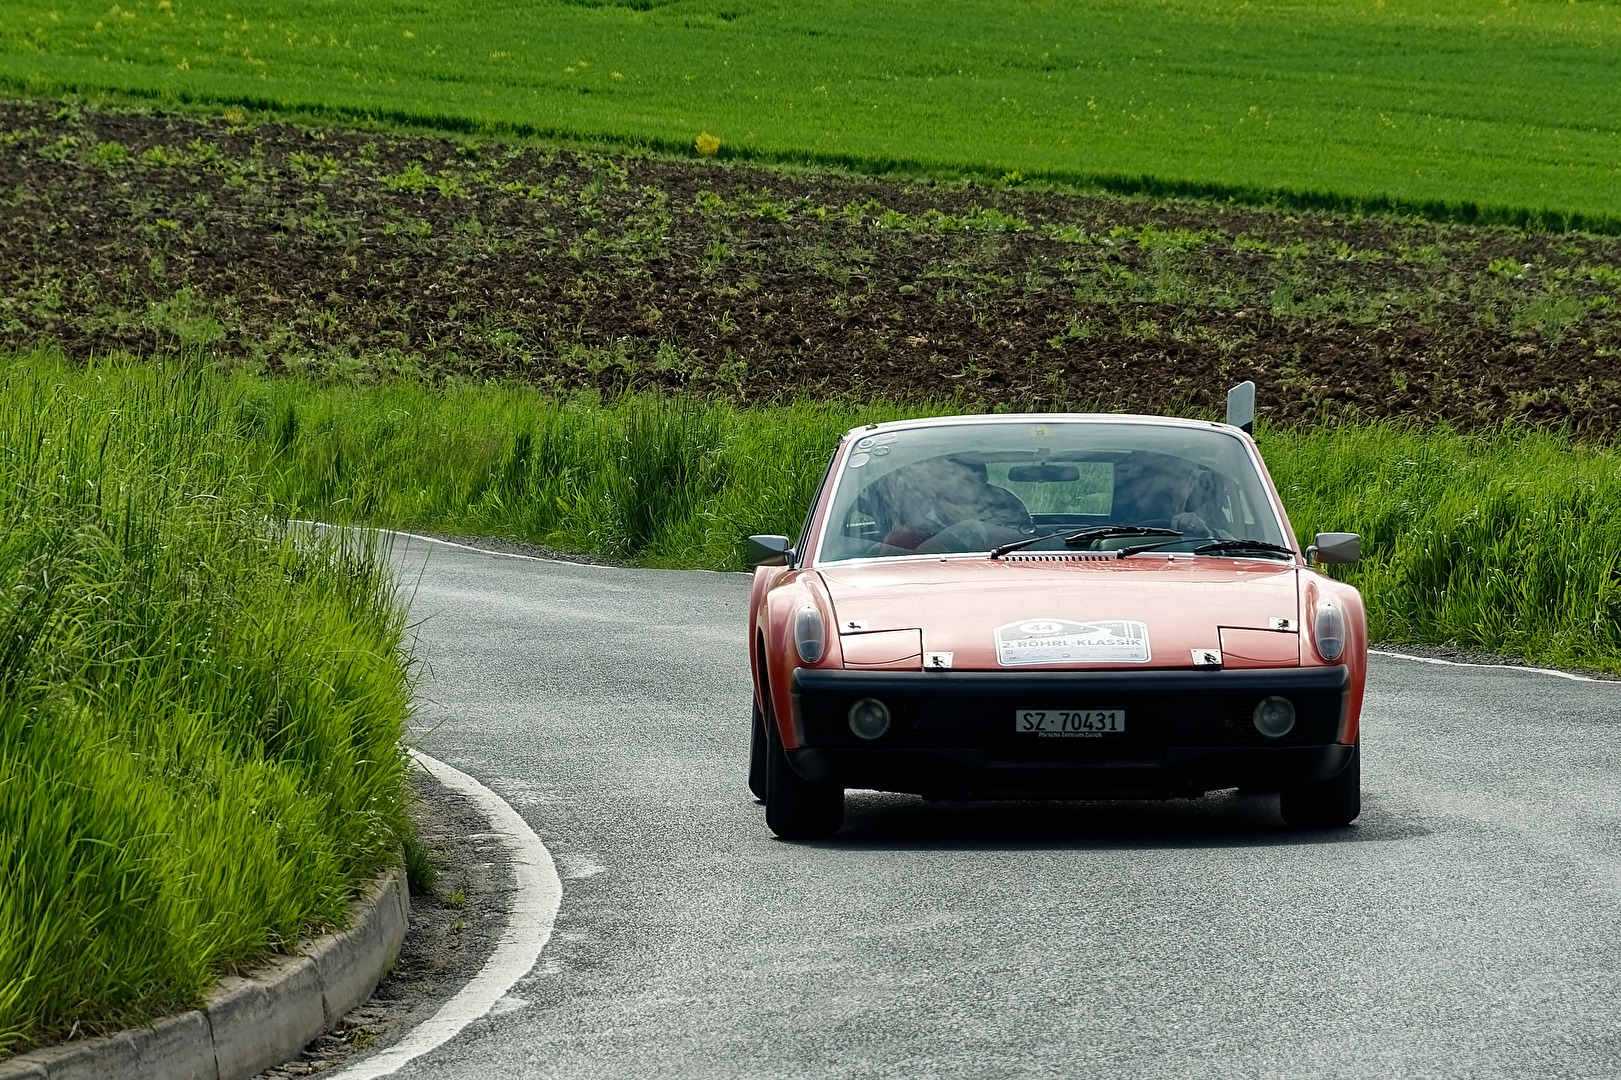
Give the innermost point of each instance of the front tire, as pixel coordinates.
(757, 752)
(796, 808)
(1332, 804)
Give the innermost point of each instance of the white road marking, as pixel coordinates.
(1503, 667)
(535, 902)
(531, 558)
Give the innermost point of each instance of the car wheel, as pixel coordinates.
(1329, 805)
(757, 750)
(796, 808)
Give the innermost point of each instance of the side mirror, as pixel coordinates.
(768, 551)
(1241, 406)
(1335, 548)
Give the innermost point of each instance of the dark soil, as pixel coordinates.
(453, 931)
(361, 255)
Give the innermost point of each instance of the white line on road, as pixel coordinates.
(1503, 667)
(537, 558)
(529, 924)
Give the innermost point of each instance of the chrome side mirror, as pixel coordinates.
(768, 551)
(1335, 548)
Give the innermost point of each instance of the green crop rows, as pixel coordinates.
(1504, 110)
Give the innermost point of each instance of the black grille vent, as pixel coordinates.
(1060, 556)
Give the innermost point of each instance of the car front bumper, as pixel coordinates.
(952, 733)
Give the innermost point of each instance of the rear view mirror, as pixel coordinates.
(1335, 548)
(1043, 474)
(767, 551)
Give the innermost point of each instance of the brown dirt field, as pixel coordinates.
(365, 255)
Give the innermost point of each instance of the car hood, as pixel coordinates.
(1076, 612)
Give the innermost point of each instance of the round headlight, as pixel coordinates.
(810, 634)
(1275, 717)
(1329, 631)
(869, 718)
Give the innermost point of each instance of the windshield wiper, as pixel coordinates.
(1262, 548)
(1085, 536)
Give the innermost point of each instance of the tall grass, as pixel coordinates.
(1498, 112)
(655, 480)
(200, 709)
(1508, 541)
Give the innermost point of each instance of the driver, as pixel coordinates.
(934, 495)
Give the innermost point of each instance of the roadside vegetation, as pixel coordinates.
(200, 707)
(1496, 111)
(1506, 540)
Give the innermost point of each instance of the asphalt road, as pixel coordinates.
(1467, 926)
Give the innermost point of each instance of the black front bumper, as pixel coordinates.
(952, 733)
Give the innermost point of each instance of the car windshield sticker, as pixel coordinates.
(876, 440)
(1061, 641)
(858, 460)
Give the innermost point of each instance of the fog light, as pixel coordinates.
(869, 718)
(1275, 717)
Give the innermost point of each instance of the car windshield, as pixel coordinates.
(957, 488)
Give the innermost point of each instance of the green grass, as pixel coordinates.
(200, 710)
(1508, 541)
(1463, 107)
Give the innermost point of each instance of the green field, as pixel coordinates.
(1465, 107)
(200, 708)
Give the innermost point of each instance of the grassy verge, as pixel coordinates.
(1498, 112)
(1507, 541)
(200, 711)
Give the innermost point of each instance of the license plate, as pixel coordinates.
(1069, 723)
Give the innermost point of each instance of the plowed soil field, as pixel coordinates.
(365, 255)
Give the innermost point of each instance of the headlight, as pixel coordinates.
(1329, 630)
(1275, 717)
(810, 634)
(869, 718)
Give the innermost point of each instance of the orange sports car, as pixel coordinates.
(1053, 607)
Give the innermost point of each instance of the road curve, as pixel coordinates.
(1467, 926)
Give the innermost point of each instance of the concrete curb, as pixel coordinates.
(249, 1023)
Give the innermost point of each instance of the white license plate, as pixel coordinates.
(1070, 723)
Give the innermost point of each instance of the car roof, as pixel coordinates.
(1027, 418)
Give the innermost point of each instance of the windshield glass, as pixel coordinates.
(959, 488)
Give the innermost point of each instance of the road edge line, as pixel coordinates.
(536, 898)
(1499, 667)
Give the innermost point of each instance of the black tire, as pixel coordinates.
(1332, 804)
(757, 752)
(796, 808)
